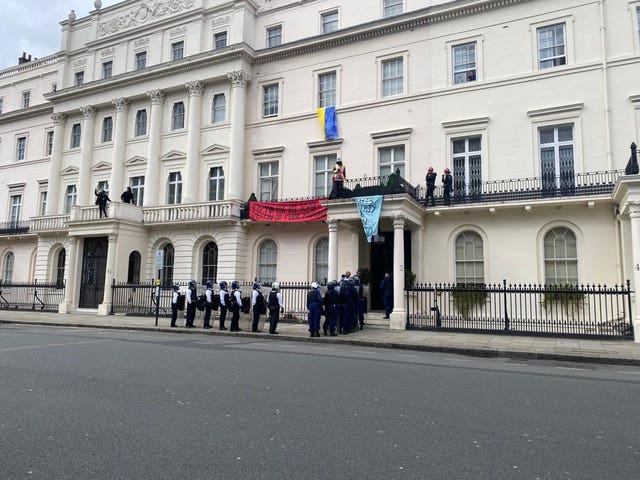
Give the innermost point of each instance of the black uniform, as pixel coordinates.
(192, 299)
(431, 186)
(447, 184)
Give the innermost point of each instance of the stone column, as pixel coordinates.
(105, 307)
(333, 250)
(634, 217)
(71, 272)
(152, 175)
(235, 172)
(120, 137)
(398, 319)
(85, 189)
(53, 187)
(191, 183)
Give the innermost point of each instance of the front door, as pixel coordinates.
(382, 261)
(94, 265)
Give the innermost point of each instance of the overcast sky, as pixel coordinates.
(33, 26)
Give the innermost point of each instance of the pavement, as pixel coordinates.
(375, 334)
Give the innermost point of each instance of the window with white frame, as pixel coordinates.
(391, 8)
(219, 108)
(391, 159)
(7, 271)
(177, 50)
(107, 69)
(174, 188)
(141, 60)
(70, 198)
(26, 99)
(557, 162)
(267, 261)
(177, 116)
(141, 123)
(560, 257)
(268, 181)
(552, 46)
(270, 98)
(21, 148)
(15, 203)
(323, 174)
(103, 185)
(60, 267)
(274, 36)
(464, 62)
(43, 203)
(107, 129)
(166, 275)
(48, 150)
(216, 184)
(79, 78)
(219, 40)
(469, 258)
(466, 159)
(76, 132)
(321, 260)
(327, 89)
(137, 188)
(210, 263)
(392, 77)
(329, 21)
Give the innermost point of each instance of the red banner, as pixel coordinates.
(288, 212)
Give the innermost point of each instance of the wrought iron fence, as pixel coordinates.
(14, 228)
(42, 296)
(584, 311)
(381, 185)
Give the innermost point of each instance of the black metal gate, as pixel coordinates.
(94, 266)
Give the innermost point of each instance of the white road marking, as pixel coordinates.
(512, 364)
(407, 356)
(630, 373)
(570, 368)
(31, 347)
(322, 348)
(457, 360)
(362, 351)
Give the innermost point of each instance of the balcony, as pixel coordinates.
(192, 212)
(14, 228)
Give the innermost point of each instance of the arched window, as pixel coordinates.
(60, 266)
(216, 184)
(133, 274)
(267, 261)
(321, 260)
(7, 272)
(469, 258)
(210, 262)
(177, 116)
(560, 257)
(167, 266)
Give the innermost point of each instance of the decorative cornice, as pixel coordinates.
(466, 122)
(141, 42)
(121, 104)
(239, 78)
(574, 107)
(88, 111)
(156, 96)
(58, 118)
(216, 22)
(634, 98)
(396, 132)
(105, 52)
(268, 151)
(178, 31)
(195, 88)
(318, 144)
(142, 14)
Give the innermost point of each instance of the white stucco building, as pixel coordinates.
(196, 104)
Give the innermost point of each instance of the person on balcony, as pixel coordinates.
(339, 174)
(431, 186)
(127, 196)
(101, 201)
(447, 185)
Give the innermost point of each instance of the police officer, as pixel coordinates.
(343, 309)
(386, 291)
(208, 295)
(224, 304)
(275, 307)
(235, 302)
(174, 305)
(330, 309)
(361, 305)
(192, 300)
(431, 186)
(257, 302)
(314, 305)
(447, 186)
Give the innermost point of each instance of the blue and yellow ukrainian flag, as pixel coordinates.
(328, 123)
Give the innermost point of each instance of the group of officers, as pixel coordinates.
(447, 186)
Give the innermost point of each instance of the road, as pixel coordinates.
(103, 404)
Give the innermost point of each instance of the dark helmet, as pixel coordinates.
(331, 285)
(430, 169)
(446, 170)
(192, 283)
(223, 285)
(256, 285)
(235, 285)
(176, 287)
(209, 284)
(356, 280)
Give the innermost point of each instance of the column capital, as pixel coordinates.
(633, 209)
(88, 111)
(239, 78)
(156, 96)
(58, 118)
(121, 104)
(398, 222)
(332, 224)
(195, 88)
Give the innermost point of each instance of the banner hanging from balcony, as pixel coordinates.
(369, 209)
(288, 212)
(328, 122)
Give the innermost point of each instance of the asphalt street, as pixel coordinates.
(78, 403)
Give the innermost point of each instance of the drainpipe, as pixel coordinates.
(605, 84)
(619, 246)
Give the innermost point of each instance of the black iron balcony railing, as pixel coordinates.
(14, 228)
(382, 185)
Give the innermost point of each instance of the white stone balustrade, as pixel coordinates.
(116, 211)
(49, 223)
(192, 212)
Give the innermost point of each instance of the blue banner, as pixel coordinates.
(369, 209)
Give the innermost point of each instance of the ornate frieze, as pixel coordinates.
(239, 78)
(142, 14)
(217, 22)
(178, 31)
(106, 52)
(141, 42)
(81, 62)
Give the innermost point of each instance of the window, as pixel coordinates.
(103, 185)
(329, 21)
(75, 135)
(137, 188)
(323, 174)
(268, 181)
(166, 275)
(26, 99)
(556, 157)
(60, 267)
(270, 100)
(133, 272)
(79, 78)
(219, 108)
(210, 263)
(392, 77)
(174, 188)
(141, 60)
(7, 272)
(391, 159)
(327, 89)
(177, 50)
(21, 148)
(1, 104)
(141, 123)
(216, 184)
(49, 146)
(274, 36)
(464, 63)
(469, 258)
(267, 261)
(219, 40)
(177, 116)
(391, 8)
(321, 260)
(43, 203)
(107, 129)
(70, 197)
(467, 166)
(560, 257)
(107, 69)
(16, 207)
(551, 46)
